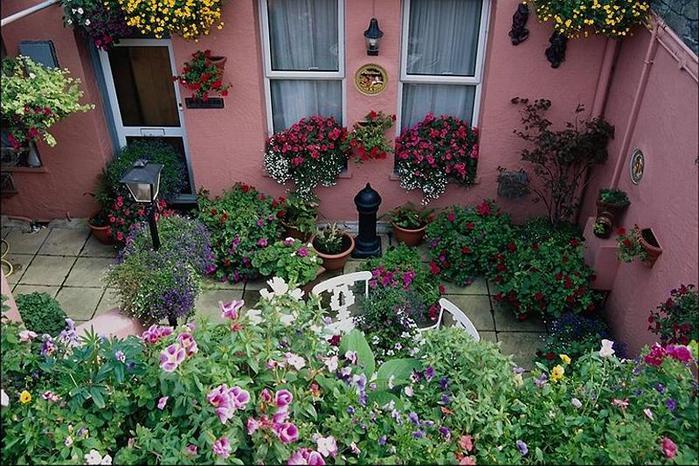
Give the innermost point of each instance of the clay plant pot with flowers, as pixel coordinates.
(603, 226)
(203, 75)
(638, 244)
(409, 223)
(367, 140)
(613, 202)
(333, 245)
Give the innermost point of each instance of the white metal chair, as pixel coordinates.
(342, 297)
(460, 319)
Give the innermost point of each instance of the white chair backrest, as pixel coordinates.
(341, 293)
(459, 318)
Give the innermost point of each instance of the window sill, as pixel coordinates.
(394, 177)
(24, 169)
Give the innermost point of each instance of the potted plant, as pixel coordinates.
(435, 152)
(409, 223)
(333, 245)
(99, 227)
(187, 19)
(300, 216)
(638, 244)
(613, 202)
(310, 153)
(204, 76)
(603, 226)
(98, 20)
(367, 140)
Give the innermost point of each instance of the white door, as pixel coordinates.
(145, 100)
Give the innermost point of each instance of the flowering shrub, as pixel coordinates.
(630, 247)
(34, 98)
(183, 17)
(181, 239)
(612, 18)
(464, 242)
(241, 222)
(102, 21)
(368, 138)
(434, 152)
(310, 152)
(202, 77)
(124, 212)
(543, 274)
(293, 260)
(677, 319)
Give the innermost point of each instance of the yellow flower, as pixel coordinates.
(25, 397)
(565, 358)
(557, 373)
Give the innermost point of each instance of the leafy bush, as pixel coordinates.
(241, 222)
(677, 319)
(41, 313)
(301, 214)
(463, 242)
(543, 272)
(434, 152)
(290, 259)
(181, 238)
(410, 216)
(614, 196)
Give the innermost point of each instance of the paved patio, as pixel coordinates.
(69, 264)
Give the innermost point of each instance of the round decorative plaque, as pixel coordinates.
(636, 166)
(371, 79)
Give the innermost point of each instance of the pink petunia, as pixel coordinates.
(230, 310)
(466, 443)
(162, 402)
(222, 447)
(171, 357)
(188, 343)
(287, 433)
(668, 447)
(679, 352)
(283, 398)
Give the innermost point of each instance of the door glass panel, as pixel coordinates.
(178, 144)
(144, 86)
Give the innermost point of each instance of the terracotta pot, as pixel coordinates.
(336, 261)
(293, 232)
(102, 234)
(409, 237)
(650, 243)
(615, 211)
(605, 220)
(217, 61)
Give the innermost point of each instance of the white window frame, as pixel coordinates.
(476, 80)
(270, 74)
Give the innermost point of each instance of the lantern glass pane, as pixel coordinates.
(140, 191)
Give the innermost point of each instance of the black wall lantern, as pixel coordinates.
(373, 36)
(143, 181)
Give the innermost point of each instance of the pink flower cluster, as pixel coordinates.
(309, 139)
(658, 353)
(227, 401)
(391, 278)
(171, 357)
(286, 431)
(446, 144)
(306, 456)
(155, 333)
(222, 447)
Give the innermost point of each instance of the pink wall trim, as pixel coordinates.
(12, 314)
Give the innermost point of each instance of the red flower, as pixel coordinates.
(451, 217)
(538, 296)
(621, 231)
(511, 246)
(550, 356)
(244, 188)
(483, 209)
(442, 289)
(334, 340)
(466, 250)
(434, 268)
(574, 242)
(469, 226)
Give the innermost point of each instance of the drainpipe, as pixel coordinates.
(636, 105)
(27, 12)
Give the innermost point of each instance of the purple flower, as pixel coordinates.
(350, 410)
(230, 310)
(171, 357)
(288, 433)
(266, 396)
(413, 417)
(660, 388)
(302, 252)
(120, 356)
(222, 447)
(262, 242)
(541, 380)
(289, 241)
(186, 340)
(445, 400)
(429, 373)
(419, 434)
(191, 449)
(162, 402)
(382, 440)
(260, 222)
(283, 398)
(671, 404)
(443, 383)
(446, 433)
(522, 447)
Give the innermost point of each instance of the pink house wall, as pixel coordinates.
(666, 198)
(71, 167)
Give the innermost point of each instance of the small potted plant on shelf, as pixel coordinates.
(409, 223)
(333, 245)
(203, 75)
(367, 140)
(638, 243)
(300, 216)
(612, 201)
(603, 226)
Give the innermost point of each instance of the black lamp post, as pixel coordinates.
(373, 36)
(367, 243)
(143, 181)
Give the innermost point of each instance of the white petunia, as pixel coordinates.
(606, 350)
(4, 399)
(87, 22)
(286, 319)
(80, 11)
(255, 316)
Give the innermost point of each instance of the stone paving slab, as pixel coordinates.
(26, 289)
(93, 248)
(521, 345)
(211, 284)
(476, 308)
(506, 321)
(19, 262)
(479, 287)
(64, 242)
(79, 303)
(47, 270)
(488, 336)
(89, 272)
(108, 302)
(26, 243)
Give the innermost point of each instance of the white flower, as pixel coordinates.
(327, 446)
(295, 360)
(648, 413)
(93, 457)
(575, 402)
(26, 336)
(87, 22)
(606, 350)
(106, 460)
(254, 316)
(390, 382)
(286, 319)
(80, 11)
(280, 288)
(331, 363)
(68, 441)
(69, 21)
(4, 399)
(408, 390)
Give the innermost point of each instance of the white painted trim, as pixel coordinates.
(270, 74)
(123, 131)
(475, 81)
(27, 11)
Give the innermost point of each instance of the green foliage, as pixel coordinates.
(241, 222)
(629, 245)
(20, 360)
(289, 259)
(172, 176)
(615, 197)
(464, 242)
(368, 138)
(41, 313)
(573, 335)
(677, 319)
(330, 240)
(410, 216)
(300, 213)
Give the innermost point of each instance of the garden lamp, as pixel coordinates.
(373, 36)
(143, 181)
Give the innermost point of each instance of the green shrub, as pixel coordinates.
(289, 259)
(677, 319)
(463, 242)
(41, 313)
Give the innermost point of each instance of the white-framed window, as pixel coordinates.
(442, 54)
(304, 60)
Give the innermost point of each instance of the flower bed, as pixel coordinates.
(266, 387)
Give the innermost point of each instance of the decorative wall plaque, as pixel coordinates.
(371, 79)
(636, 166)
